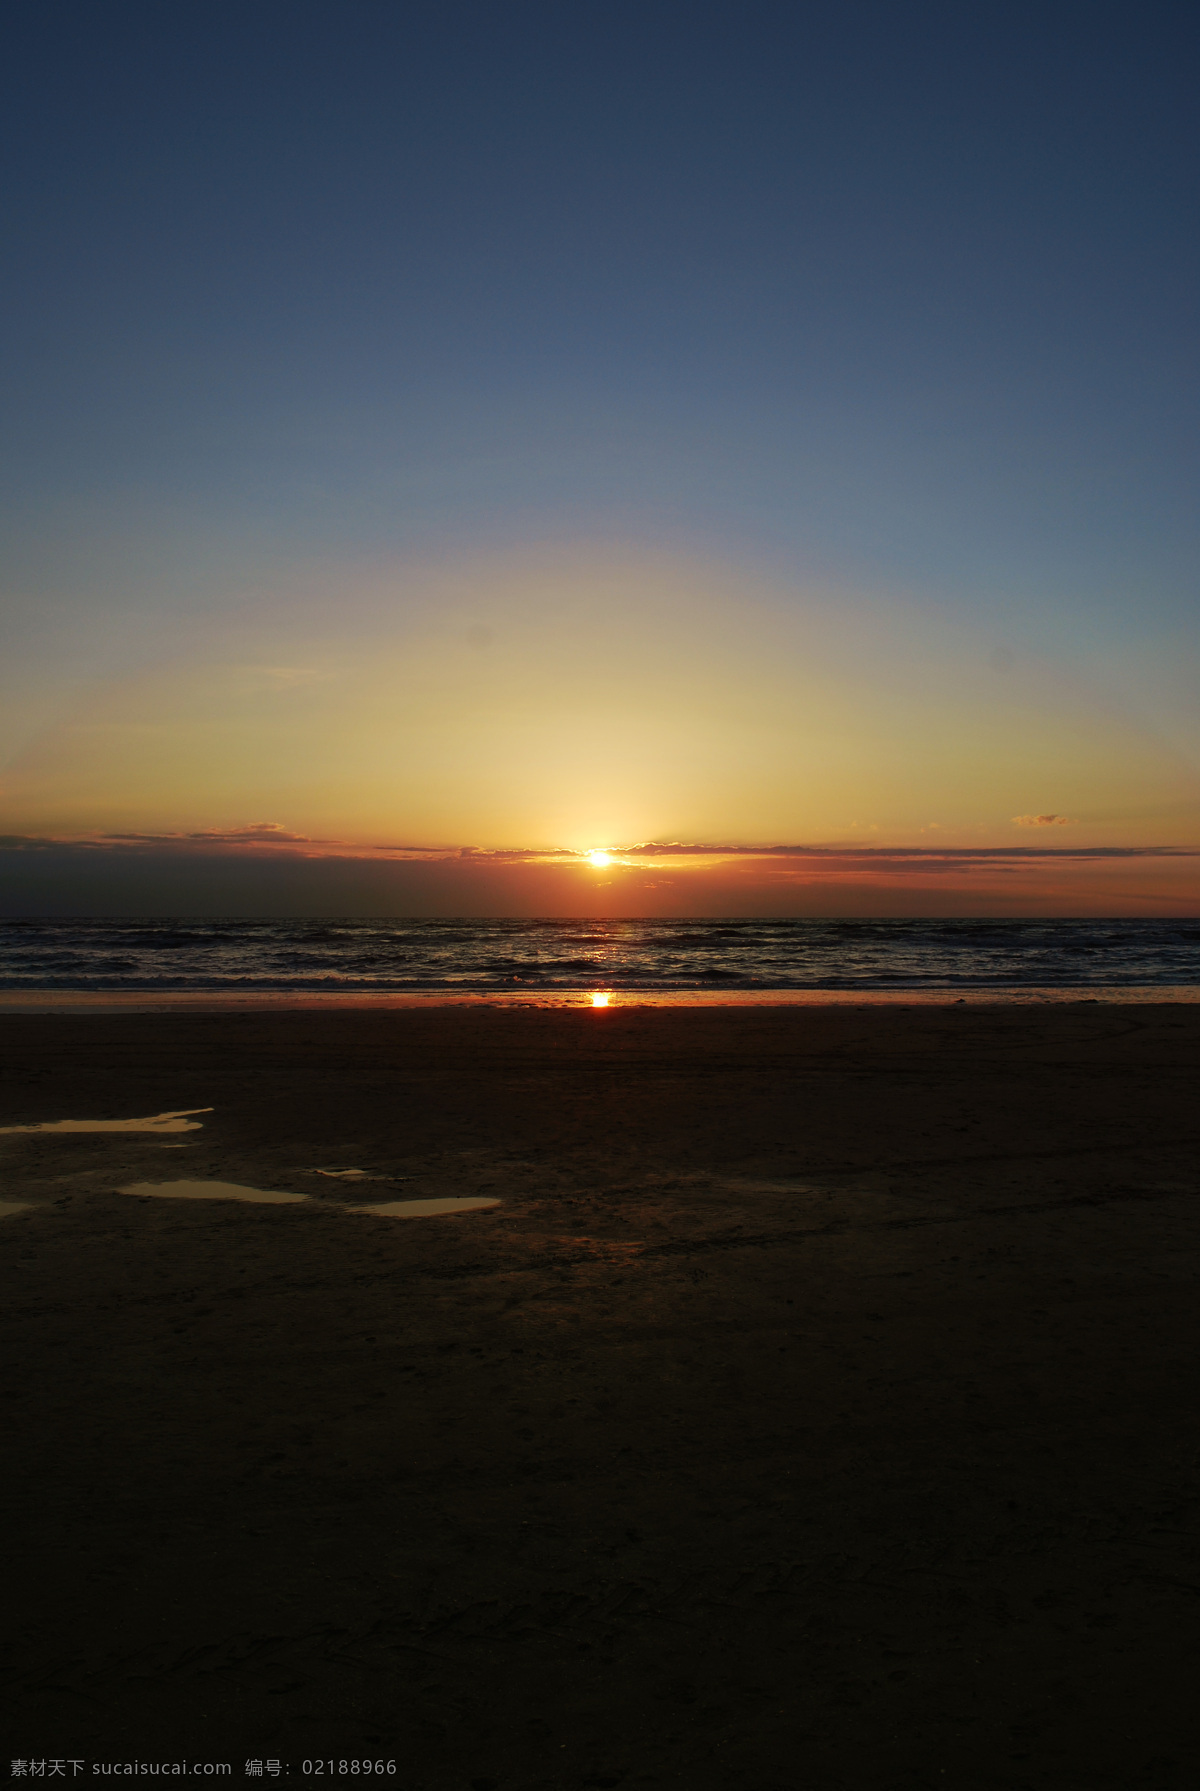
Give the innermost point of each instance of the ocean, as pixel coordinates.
(625, 956)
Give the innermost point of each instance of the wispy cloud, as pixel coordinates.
(279, 677)
(257, 833)
(1041, 820)
(913, 854)
(273, 837)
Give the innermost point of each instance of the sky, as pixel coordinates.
(444, 442)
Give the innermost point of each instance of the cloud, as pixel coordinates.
(263, 839)
(1041, 820)
(280, 677)
(257, 830)
(258, 870)
(898, 854)
(257, 833)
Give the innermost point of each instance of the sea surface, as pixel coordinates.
(625, 956)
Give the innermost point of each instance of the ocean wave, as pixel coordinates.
(383, 954)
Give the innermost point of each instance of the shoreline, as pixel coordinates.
(36, 1001)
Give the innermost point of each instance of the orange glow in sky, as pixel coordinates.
(485, 717)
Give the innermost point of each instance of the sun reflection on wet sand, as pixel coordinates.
(159, 1122)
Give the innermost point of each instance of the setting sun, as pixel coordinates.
(599, 1000)
(599, 858)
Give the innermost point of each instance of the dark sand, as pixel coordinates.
(817, 1410)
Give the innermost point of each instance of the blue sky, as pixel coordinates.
(890, 304)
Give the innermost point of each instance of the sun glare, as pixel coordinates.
(599, 1000)
(599, 858)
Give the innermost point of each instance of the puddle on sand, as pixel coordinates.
(350, 1175)
(215, 1191)
(9, 1207)
(391, 1209)
(420, 1209)
(159, 1122)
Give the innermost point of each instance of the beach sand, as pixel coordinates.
(816, 1409)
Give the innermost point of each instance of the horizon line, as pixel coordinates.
(278, 841)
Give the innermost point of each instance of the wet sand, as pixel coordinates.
(817, 1408)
